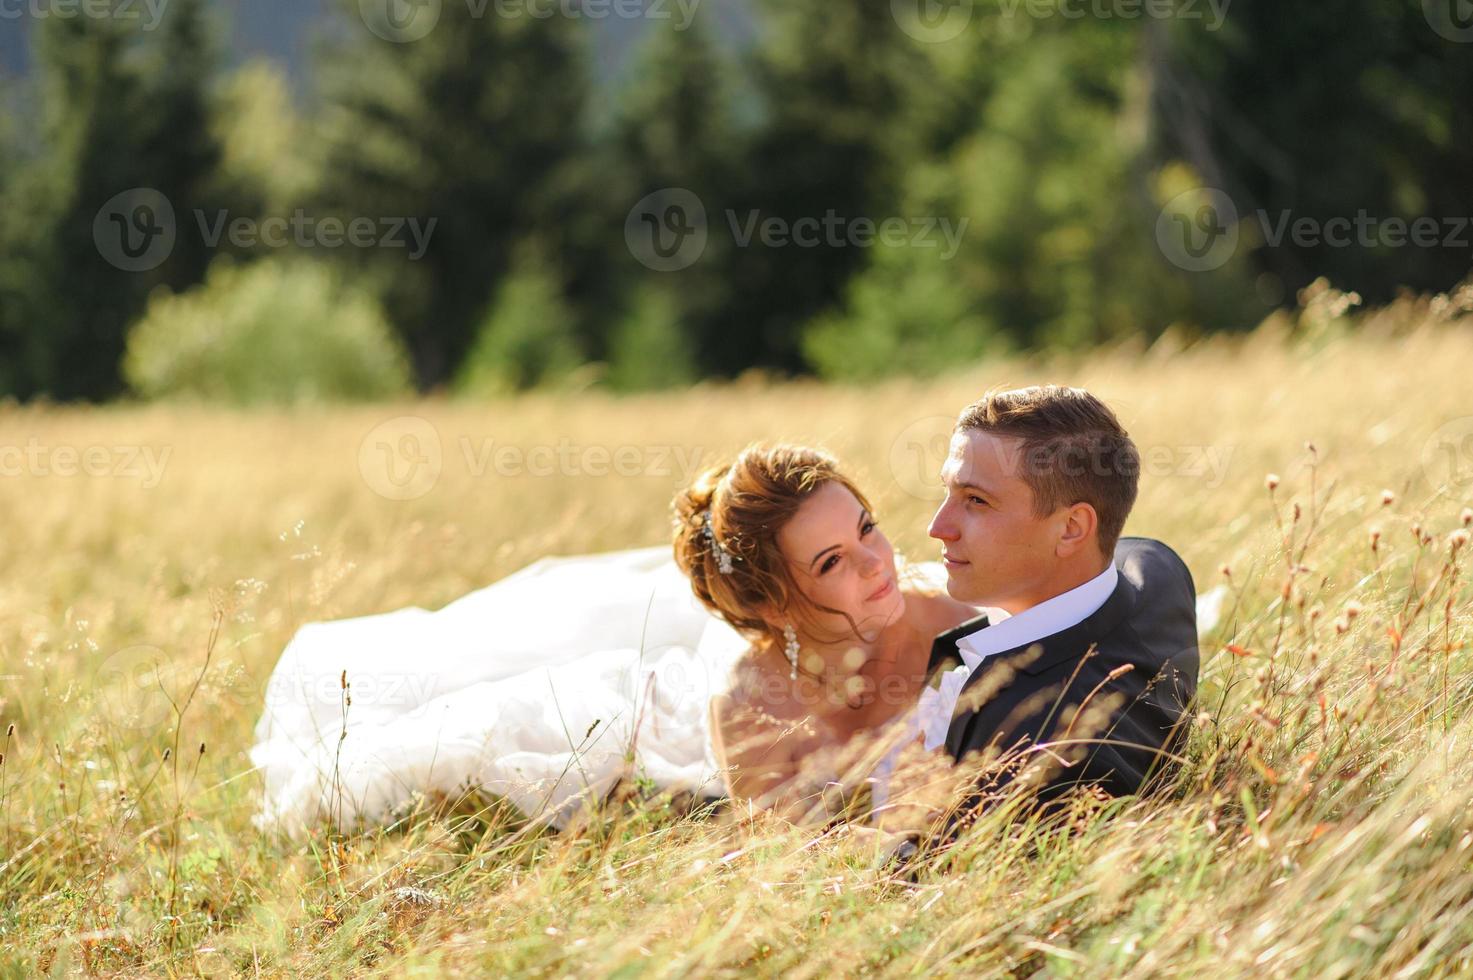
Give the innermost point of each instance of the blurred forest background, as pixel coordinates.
(506, 165)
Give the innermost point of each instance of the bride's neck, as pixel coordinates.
(839, 656)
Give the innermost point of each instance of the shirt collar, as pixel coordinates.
(1036, 622)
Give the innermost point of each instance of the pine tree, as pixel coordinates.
(472, 125)
(677, 128)
(839, 84)
(123, 110)
(1358, 107)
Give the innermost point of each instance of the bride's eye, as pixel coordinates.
(868, 527)
(828, 563)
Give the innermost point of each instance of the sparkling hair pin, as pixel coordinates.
(723, 557)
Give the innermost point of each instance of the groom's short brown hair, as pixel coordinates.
(1073, 450)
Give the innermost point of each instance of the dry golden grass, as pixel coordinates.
(1322, 826)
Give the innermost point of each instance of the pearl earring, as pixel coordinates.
(790, 647)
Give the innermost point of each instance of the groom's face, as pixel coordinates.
(997, 552)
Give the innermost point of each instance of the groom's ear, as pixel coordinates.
(1081, 530)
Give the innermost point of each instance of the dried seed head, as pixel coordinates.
(1353, 609)
(1296, 512)
(1271, 481)
(1387, 498)
(1457, 539)
(11, 730)
(1375, 539)
(1467, 516)
(1227, 571)
(343, 679)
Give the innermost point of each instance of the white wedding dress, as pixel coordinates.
(545, 687)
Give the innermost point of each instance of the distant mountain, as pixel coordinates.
(286, 30)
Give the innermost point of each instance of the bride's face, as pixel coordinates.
(841, 559)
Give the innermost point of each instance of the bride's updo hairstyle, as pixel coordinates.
(749, 501)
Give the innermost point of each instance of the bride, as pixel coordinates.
(783, 633)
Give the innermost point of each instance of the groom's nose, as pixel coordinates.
(942, 527)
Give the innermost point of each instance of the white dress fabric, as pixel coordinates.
(545, 687)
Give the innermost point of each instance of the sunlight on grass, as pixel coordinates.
(1320, 827)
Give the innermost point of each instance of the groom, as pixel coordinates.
(1088, 678)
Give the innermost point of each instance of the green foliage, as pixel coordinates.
(121, 108)
(650, 347)
(679, 127)
(1373, 117)
(261, 134)
(838, 83)
(471, 125)
(905, 314)
(277, 331)
(527, 337)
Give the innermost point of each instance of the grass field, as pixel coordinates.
(1323, 826)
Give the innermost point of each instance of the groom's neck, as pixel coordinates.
(1064, 578)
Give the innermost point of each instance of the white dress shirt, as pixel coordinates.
(1051, 616)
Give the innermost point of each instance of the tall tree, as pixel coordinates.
(471, 125)
(1358, 106)
(838, 82)
(124, 112)
(677, 129)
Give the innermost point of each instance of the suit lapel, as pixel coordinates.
(1067, 644)
(944, 654)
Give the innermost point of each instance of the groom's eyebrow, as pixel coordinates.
(863, 514)
(960, 485)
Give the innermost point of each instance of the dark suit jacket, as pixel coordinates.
(1149, 623)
